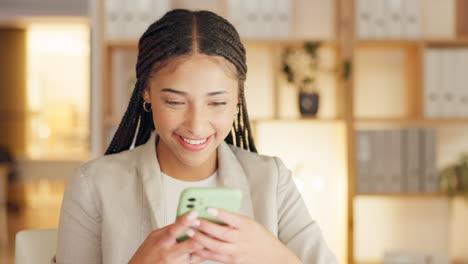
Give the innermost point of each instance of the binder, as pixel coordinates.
(411, 19)
(458, 92)
(386, 161)
(447, 88)
(379, 25)
(413, 161)
(142, 14)
(114, 18)
(252, 19)
(137, 16)
(363, 161)
(378, 184)
(283, 18)
(395, 161)
(262, 25)
(364, 19)
(129, 15)
(432, 82)
(393, 18)
(159, 8)
(464, 82)
(149, 11)
(236, 16)
(215, 6)
(267, 16)
(430, 174)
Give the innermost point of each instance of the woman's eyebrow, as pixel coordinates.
(216, 93)
(170, 90)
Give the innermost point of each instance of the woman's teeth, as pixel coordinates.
(194, 142)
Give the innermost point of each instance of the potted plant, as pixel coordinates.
(454, 178)
(301, 67)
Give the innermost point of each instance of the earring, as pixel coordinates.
(145, 107)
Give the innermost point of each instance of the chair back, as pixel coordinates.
(35, 246)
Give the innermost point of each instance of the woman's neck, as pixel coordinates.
(170, 165)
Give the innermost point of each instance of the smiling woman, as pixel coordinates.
(195, 115)
(187, 119)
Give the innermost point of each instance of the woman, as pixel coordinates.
(189, 116)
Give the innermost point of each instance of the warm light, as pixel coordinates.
(299, 184)
(44, 193)
(44, 131)
(58, 90)
(316, 155)
(66, 39)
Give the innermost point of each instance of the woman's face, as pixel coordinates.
(194, 102)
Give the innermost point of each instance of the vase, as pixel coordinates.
(308, 103)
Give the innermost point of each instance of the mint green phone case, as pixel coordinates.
(200, 199)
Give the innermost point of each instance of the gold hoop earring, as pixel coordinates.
(145, 107)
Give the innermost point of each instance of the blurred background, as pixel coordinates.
(366, 101)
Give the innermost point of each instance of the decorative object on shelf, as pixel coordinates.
(301, 65)
(454, 178)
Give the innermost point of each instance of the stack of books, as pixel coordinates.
(396, 161)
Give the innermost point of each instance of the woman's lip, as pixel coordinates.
(191, 147)
(193, 138)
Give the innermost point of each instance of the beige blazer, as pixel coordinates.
(115, 201)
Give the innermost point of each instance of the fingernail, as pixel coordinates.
(192, 215)
(196, 223)
(190, 232)
(212, 212)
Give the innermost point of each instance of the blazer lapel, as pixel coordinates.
(231, 174)
(150, 173)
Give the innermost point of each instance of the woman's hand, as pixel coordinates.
(161, 246)
(242, 240)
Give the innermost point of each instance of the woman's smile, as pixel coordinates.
(194, 144)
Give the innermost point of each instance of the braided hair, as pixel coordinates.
(179, 33)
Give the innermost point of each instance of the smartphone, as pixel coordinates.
(200, 199)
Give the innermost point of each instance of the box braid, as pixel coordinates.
(179, 33)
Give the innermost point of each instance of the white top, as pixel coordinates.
(172, 190)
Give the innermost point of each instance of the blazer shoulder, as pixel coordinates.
(255, 161)
(111, 165)
(243, 154)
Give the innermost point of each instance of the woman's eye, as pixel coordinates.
(218, 103)
(173, 102)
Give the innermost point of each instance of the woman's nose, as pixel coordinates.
(195, 122)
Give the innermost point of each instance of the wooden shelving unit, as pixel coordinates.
(345, 45)
(414, 114)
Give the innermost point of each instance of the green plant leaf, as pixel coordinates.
(289, 74)
(346, 69)
(311, 47)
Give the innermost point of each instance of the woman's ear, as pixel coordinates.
(146, 95)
